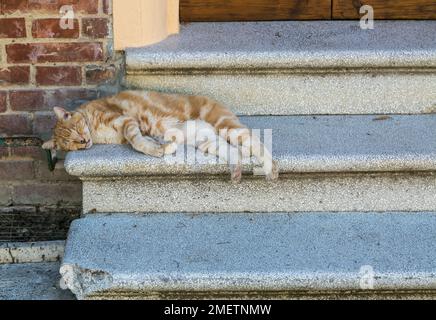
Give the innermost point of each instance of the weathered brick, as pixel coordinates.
(16, 170)
(52, 28)
(37, 193)
(62, 76)
(45, 100)
(15, 124)
(5, 195)
(107, 6)
(100, 75)
(95, 27)
(58, 174)
(4, 152)
(3, 96)
(30, 223)
(30, 152)
(54, 52)
(12, 28)
(43, 124)
(14, 75)
(70, 98)
(48, 6)
(27, 100)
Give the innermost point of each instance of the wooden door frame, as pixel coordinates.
(142, 22)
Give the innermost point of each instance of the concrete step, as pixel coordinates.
(281, 255)
(296, 67)
(32, 281)
(327, 163)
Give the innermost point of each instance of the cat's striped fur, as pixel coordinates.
(136, 117)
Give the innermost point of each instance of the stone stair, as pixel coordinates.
(353, 212)
(280, 255)
(327, 163)
(296, 68)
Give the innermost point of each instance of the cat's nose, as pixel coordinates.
(88, 144)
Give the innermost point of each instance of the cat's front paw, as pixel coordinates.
(157, 152)
(170, 148)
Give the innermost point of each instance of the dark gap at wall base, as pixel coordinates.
(29, 224)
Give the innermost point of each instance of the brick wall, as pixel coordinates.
(47, 60)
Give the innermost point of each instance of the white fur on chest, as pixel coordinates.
(106, 135)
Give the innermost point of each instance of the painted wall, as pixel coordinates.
(141, 22)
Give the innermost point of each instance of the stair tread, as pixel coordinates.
(301, 144)
(246, 251)
(291, 44)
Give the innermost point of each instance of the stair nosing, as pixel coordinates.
(326, 144)
(307, 45)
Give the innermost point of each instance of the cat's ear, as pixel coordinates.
(49, 145)
(61, 113)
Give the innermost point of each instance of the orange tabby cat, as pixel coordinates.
(136, 117)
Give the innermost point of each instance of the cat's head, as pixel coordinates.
(70, 133)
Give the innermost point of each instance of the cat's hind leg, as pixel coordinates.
(239, 135)
(144, 144)
(202, 135)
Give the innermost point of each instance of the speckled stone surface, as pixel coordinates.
(300, 145)
(303, 93)
(156, 254)
(282, 68)
(292, 193)
(32, 281)
(291, 44)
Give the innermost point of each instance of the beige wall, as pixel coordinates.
(141, 22)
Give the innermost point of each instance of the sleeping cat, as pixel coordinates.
(137, 117)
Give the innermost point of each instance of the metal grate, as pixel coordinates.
(19, 224)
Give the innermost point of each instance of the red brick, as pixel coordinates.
(63, 76)
(100, 75)
(95, 28)
(3, 95)
(51, 28)
(107, 6)
(58, 174)
(54, 52)
(27, 100)
(16, 169)
(10, 6)
(5, 195)
(47, 194)
(12, 28)
(29, 152)
(14, 75)
(69, 98)
(45, 100)
(48, 6)
(14, 124)
(43, 124)
(4, 152)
